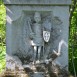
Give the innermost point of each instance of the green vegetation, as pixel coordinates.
(2, 36)
(72, 37)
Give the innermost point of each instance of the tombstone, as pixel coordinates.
(37, 33)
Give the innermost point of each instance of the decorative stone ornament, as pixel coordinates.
(37, 34)
(46, 36)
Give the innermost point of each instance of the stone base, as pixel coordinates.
(15, 74)
(62, 73)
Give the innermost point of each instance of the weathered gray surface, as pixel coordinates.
(18, 42)
(16, 21)
(43, 2)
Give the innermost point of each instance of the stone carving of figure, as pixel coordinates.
(37, 41)
(39, 33)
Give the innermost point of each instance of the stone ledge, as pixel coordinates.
(38, 2)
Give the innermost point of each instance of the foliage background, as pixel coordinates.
(72, 37)
(2, 36)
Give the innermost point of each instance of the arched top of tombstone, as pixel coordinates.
(38, 2)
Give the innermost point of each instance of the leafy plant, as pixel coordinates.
(73, 38)
(2, 35)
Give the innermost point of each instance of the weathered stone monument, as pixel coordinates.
(37, 36)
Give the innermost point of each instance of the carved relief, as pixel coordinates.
(36, 34)
(34, 37)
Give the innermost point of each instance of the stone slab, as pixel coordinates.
(18, 42)
(39, 2)
(15, 25)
